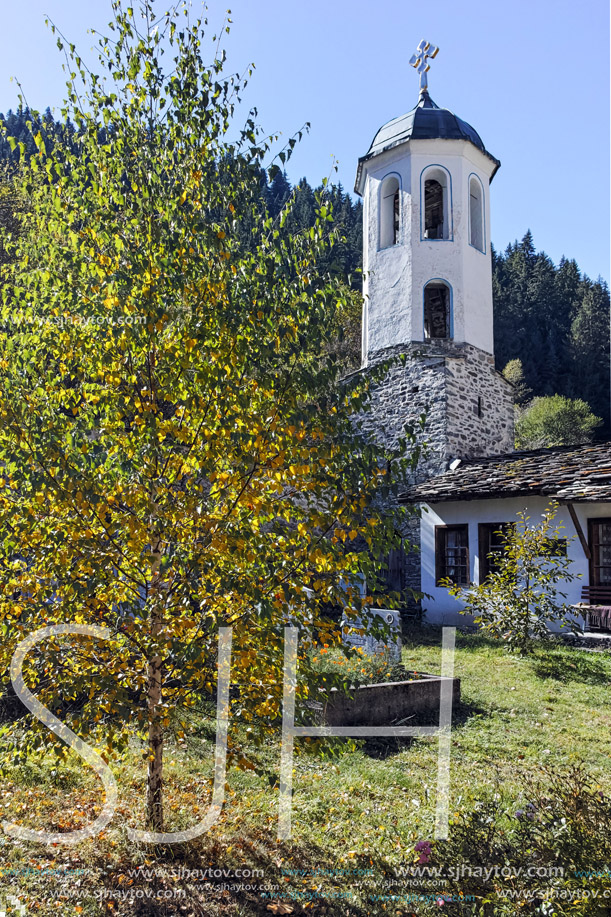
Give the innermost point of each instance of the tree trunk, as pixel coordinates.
(154, 781)
(526, 630)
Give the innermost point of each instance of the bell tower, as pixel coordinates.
(425, 184)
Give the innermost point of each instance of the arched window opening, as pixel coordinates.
(435, 203)
(390, 213)
(476, 214)
(437, 325)
(434, 227)
(395, 221)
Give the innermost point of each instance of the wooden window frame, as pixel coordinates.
(441, 546)
(594, 567)
(440, 229)
(396, 217)
(557, 547)
(484, 549)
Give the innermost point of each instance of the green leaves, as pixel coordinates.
(555, 421)
(524, 592)
(182, 451)
(15, 144)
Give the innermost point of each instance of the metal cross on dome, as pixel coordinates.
(419, 60)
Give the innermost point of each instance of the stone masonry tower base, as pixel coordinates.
(469, 412)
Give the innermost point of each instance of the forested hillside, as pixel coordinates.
(556, 321)
(552, 318)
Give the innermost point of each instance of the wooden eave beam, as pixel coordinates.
(578, 529)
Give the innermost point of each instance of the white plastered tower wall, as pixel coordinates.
(395, 275)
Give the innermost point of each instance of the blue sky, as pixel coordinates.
(532, 76)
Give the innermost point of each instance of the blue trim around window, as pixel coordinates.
(385, 248)
(475, 175)
(437, 165)
(449, 286)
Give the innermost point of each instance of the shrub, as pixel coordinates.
(559, 832)
(555, 421)
(358, 668)
(524, 591)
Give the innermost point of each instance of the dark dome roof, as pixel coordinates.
(427, 121)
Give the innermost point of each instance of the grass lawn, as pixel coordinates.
(356, 819)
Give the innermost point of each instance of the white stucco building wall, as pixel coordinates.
(442, 608)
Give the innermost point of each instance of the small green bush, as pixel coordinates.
(554, 420)
(561, 827)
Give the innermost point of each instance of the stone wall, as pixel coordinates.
(480, 412)
(469, 413)
(384, 704)
(410, 389)
(468, 404)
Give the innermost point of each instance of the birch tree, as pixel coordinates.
(178, 451)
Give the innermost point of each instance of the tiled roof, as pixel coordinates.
(579, 473)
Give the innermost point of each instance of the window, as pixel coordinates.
(395, 218)
(600, 550)
(433, 210)
(390, 212)
(452, 554)
(396, 564)
(491, 546)
(435, 204)
(554, 547)
(476, 213)
(437, 311)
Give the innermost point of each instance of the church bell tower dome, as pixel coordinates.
(427, 121)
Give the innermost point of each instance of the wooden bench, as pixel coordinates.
(596, 606)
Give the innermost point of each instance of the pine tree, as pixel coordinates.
(278, 193)
(568, 281)
(589, 367)
(544, 362)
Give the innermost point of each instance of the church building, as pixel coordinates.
(425, 183)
